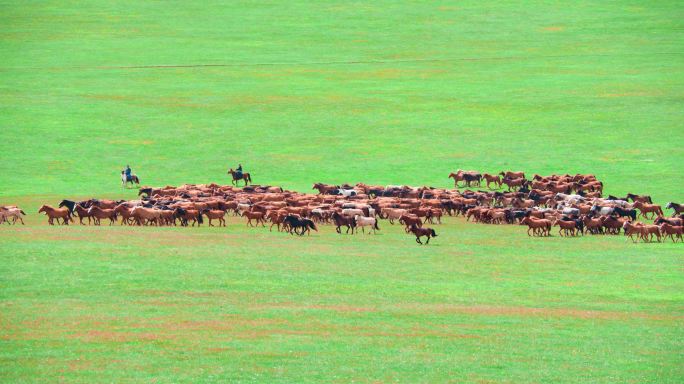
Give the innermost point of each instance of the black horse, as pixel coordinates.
(299, 225)
(182, 215)
(72, 204)
(631, 213)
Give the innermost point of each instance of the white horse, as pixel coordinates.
(363, 222)
(125, 181)
(346, 192)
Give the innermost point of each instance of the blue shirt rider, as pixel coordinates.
(128, 172)
(238, 171)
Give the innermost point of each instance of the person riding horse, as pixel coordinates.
(127, 171)
(238, 171)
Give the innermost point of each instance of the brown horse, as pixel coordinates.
(594, 226)
(672, 231)
(469, 177)
(98, 214)
(277, 218)
(256, 216)
(539, 227)
(324, 189)
(569, 227)
(409, 221)
(126, 214)
(646, 232)
(420, 232)
(512, 175)
(236, 179)
(145, 216)
(496, 179)
(56, 213)
(645, 209)
(215, 214)
(515, 184)
(82, 213)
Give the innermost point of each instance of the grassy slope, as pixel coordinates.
(343, 91)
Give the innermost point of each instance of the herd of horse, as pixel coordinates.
(573, 203)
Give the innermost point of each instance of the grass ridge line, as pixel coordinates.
(338, 62)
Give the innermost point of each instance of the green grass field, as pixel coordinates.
(383, 92)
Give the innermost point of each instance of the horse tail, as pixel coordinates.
(22, 212)
(249, 177)
(434, 234)
(199, 218)
(376, 225)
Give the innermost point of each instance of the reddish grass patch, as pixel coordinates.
(491, 310)
(336, 308)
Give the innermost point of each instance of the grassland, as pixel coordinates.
(298, 92)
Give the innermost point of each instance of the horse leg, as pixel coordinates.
(428, 239)
(418, 240)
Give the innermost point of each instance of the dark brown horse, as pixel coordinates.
(236, 177)
(420, 232)
(345, 221)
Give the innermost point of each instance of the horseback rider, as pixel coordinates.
(238, 171)
(127, 171)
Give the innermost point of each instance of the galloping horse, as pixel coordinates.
(56, 213)
(677, 208)
(419, 232)
(236, 178)
(125, 181)
(299, 225)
